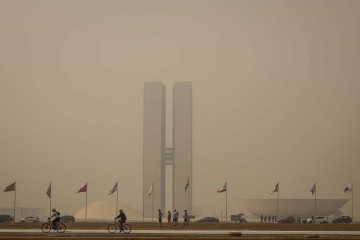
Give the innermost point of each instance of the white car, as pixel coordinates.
(31, 219)
(318, 219)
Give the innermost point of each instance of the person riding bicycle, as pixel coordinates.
(56, 216)
(122, 219)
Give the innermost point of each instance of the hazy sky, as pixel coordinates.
(275, 96)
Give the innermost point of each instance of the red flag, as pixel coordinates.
(346, 189)
(275, 189)
(83, 188)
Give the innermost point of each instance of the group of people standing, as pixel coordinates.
(267, 218)
(175, 218)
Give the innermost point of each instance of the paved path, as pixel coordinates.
(194, 232)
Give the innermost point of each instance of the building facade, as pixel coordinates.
(155, 153)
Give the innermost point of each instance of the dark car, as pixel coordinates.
(6, 218)
(67, 218)
(208, 219)
(343, 219)
(290, 219)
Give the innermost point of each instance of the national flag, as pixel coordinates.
(275, 189)
(223, 188)
(11, 187)
(313, 189)
(346, 189)
(187, 184)
(150, 191)
(83, 188)
(114, 189)
(48, 191)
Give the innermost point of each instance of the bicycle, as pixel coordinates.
(114, 226)
(46, 227)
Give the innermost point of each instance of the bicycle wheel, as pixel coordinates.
(112, 228)
(61, 228)
(127, 228)
(46, 227)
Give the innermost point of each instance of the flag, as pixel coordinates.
(114, 189)
(346, 189)
(83, 188)
(275, 189)
(150, 191)
(223, 188)
(187, 185)
(313, 189)
(48, 191)
(11, 187)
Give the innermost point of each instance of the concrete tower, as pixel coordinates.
(156, 155)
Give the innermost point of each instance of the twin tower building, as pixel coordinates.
(157, 155)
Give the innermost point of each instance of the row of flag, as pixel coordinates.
(83, 188)
(346, 189)
(187, 185)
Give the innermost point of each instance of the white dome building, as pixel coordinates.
(105, 210)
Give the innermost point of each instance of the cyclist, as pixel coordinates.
(122, 219)
(56, 216)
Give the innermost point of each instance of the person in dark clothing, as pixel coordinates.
(186, 218)
(160, 217)
(122, 219)
(169, 218)
(56, 216)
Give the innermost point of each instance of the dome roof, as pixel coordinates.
(106, 210)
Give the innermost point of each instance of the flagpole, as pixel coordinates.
(50, 198)
(14, 204)
(352, 201)
(226, 203)
(86, 205)
(117, 201)
(315, 203)
(152, 205)
(277, 203)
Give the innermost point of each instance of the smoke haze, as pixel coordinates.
(275, 97)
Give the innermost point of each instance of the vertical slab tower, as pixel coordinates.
(156, 155)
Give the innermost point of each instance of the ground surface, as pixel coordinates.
(211, 231)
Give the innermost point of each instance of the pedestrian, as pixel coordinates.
(175, 218)
(262, 218)
(169, 218)
(160, 217)
(186, 218)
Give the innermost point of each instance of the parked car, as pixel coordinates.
(343, 219)
(289, 219)
(30, 219)
(6, 218)
(238, 218)
(208, 219)
(318, 219)
(67, 218)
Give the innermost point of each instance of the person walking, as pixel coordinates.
(175, 218)
(186, 218)
(160, 217)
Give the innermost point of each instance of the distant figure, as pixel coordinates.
(56, 216)
(169, 218)
(175, 218)
(186, 218)
(122, 219)
(262, 218)
(269, 219)
(160, 217)
(273, 218)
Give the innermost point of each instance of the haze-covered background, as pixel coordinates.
(276, 95)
